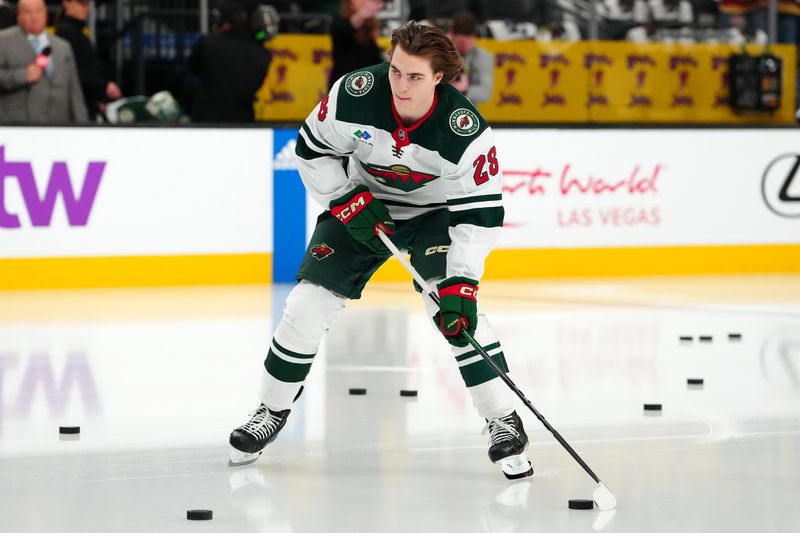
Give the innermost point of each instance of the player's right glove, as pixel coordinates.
(458, 309)
(362, 214)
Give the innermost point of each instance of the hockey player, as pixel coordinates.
(421, 166)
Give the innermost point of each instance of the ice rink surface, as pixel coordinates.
(157, 379)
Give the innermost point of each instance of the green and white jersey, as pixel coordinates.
(446, 159)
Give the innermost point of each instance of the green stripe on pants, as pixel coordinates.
(480, 371)
(286, 371)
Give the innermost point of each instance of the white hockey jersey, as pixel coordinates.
(446, 159)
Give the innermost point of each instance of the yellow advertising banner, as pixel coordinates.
(559, 82)
(297, 78)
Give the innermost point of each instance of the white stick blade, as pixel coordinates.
(603, 498)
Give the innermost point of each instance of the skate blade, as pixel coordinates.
(238, 458)
(516, 466)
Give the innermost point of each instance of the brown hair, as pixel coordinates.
(464, 23)
(368, 30)
(431, 42)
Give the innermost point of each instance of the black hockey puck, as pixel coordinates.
(652, 407)
(357, 392)
(734, 336)
(199, 514)
(69, 430)
(686, 338)
(694, 381)
(581, 504)
(410, 393)
(706, 338)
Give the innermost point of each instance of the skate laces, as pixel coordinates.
(262, 422)
(500, 429)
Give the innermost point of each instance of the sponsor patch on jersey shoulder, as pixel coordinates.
(464, 122)
(359, 83)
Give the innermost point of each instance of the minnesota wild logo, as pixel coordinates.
(464, 122)
(399, 176)
(321, 251)
(359, 83)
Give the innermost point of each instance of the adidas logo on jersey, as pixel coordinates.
(285, 160)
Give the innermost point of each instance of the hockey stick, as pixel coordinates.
(603, 497)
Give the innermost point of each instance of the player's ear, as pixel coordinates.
(437, 77)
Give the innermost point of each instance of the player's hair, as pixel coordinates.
(464, 23)
(431, 42)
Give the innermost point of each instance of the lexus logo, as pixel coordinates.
(780, 186)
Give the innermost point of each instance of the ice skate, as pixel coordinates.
(507, 444)
(249, 439)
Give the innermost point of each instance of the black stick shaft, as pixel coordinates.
(502, 375)
(499, 371)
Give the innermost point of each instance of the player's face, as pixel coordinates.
(413, 83)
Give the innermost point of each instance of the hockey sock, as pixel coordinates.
(490, 396)
(310, 311)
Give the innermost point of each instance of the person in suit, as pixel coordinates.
(230, 65)
(353, 37)
(38, 78)
(96, 83)
(477, 79)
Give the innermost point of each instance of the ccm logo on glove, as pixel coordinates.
(347, 212)
(363, 215)
(464, 290)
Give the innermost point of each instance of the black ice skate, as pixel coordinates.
(249, 439)
(507, 444)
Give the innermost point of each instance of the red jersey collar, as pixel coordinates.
(400, 134)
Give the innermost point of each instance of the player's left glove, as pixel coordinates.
(362, 214)
(458, 309)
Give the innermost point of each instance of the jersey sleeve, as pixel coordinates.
(475, 201)
(321, 144)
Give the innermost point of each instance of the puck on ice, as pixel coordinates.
(199, 514)
(706, 338)
(694, 381)
(652, 407)
(686, 338)
(405, 392)
(581, 504)
(734, 336)
(69, 430)
(357, 392)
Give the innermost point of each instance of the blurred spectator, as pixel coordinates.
(353, 34)
(478, 77)
(748, 16)
(231, 65)
(38, 79)
(97, 86)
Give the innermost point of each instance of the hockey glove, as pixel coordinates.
(458, 309)
(362, 214)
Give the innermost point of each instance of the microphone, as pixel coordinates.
(43, 57)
